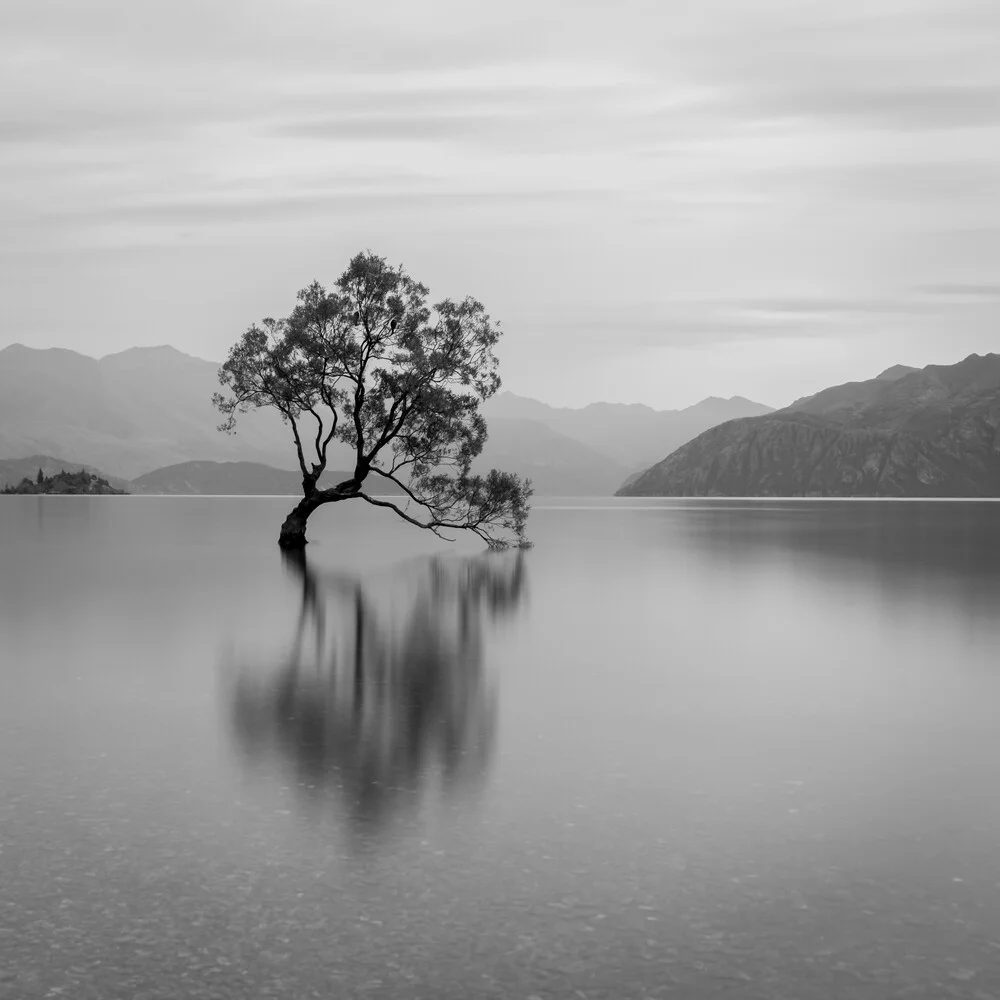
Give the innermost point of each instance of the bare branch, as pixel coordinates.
(390, 431)
(433, 526)
(329, 437)
(406, 489)
(298, 441)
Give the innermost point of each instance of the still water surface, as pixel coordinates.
(679, 749)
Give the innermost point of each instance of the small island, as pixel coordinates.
(63, 482)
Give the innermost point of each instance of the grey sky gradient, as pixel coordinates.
(660, 201)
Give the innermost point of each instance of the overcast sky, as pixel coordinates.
(659, 201)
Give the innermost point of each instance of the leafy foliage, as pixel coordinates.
(370, 364)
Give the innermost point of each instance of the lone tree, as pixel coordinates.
(370, 364)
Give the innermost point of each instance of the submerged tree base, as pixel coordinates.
(293, 530)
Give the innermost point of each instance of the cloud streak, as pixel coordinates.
(613, 179)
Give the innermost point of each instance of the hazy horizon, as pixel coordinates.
(659, 204)
(505, 388)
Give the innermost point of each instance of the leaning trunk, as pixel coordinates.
(293, 531)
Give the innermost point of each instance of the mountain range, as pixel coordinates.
(144, 419)
(147, 409)
(630, 434)
(237, 479)
(931, 432)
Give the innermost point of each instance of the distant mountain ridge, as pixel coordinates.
(895, 372)
(126, 413)
(556, 464)
(148, 408)
(631, 434)
(931, 432)
(239, 479)
(186, 478)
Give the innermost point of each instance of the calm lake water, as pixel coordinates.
(679, 749)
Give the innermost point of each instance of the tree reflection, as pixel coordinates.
(382, 689)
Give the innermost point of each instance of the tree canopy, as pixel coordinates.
(369, 363)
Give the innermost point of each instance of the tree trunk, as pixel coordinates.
(293, 531)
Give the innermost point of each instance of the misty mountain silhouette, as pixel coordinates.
(932, 432)
(237, 479)
(630, 435)
(127, 413)
(145, 411)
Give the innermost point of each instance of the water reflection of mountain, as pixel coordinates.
(382, 693)
(947, 553)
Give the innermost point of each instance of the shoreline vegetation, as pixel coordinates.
(64, 483)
